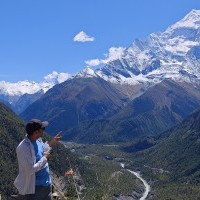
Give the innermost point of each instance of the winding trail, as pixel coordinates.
(146, 185)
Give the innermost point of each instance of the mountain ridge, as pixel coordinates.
(173, 53)
(76, 100)
(158, 109)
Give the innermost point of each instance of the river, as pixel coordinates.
(146, 185)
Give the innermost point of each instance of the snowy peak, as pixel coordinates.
(179, 38)
(86, 72)
(23, 87)
(186, 27)
(192, 19)
(173, 54)
(163, 55)
(21, 94)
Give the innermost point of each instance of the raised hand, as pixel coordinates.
(56, 138)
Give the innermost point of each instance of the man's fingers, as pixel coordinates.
(59, 133)
(58, 136)
(47, 154)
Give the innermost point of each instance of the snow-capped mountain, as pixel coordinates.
(144, 100)
(173, 54)
(86, 72)
(14, 93)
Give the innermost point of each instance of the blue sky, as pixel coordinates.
(41, 36)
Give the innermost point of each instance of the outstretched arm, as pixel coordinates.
(55, 139)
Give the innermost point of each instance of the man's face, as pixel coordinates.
(39, 133)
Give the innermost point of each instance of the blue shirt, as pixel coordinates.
(42, 176)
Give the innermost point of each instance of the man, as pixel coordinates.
(33, 181)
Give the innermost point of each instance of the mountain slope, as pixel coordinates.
(173, 54)
(162, 55)
(179, 151)
(12, 131)
(161, 107)
(25, 100)
(75, 101)
(171, 160)
(158, 109)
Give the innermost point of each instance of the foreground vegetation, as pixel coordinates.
(164, 183)
(12, 131)
(170, 163)
(109, 177)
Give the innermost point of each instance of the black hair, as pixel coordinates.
(31, 127)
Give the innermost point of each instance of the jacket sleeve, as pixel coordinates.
(26, 162)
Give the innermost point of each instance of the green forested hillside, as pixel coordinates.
(179, 151)
(177, 156)
(12, 131)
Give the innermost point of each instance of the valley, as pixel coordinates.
(114, 181)
(130, 129)
(106, 161)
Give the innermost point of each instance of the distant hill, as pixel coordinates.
(25, 100)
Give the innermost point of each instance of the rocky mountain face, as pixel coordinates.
(173, 53)
(160, 108)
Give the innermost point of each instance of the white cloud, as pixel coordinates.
(93, 62)
(83, 37)
(57, 77)
(114, 53)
